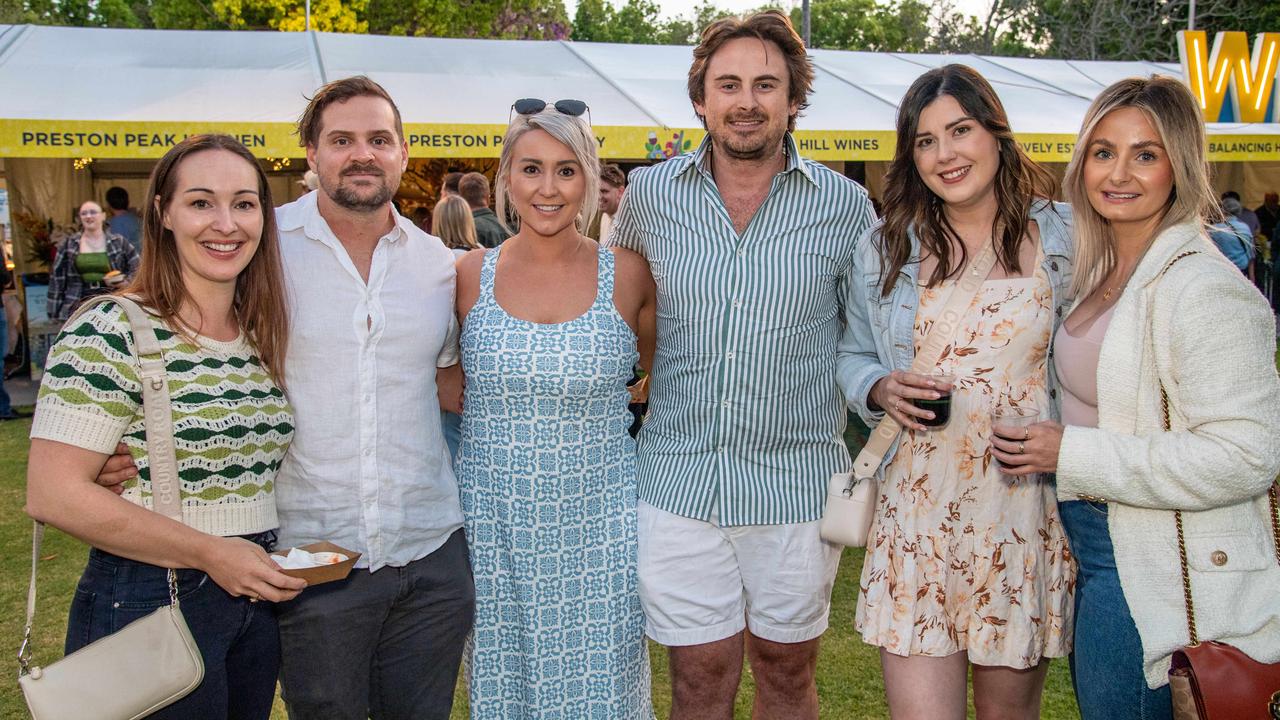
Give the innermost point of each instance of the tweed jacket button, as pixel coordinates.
(1218, 558)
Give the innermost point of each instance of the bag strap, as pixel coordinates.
(1273, 494)
(166, 496)
(942, 332)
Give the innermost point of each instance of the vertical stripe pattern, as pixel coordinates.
(745, 419)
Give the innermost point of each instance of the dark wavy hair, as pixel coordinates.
(259, 303)
(909, 203)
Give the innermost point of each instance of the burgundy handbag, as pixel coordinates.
(1212, 680)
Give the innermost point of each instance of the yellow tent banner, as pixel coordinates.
(150, 140)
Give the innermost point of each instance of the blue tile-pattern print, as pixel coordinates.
(548, 480)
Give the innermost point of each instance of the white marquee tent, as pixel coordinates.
(108, 94)
(209, 77)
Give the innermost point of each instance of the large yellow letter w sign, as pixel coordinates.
(1250, 78)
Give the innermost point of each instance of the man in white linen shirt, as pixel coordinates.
(371, 299)
(372, 310)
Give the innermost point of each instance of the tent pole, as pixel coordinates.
(1191, 15)
(804, 13)
(308, 15)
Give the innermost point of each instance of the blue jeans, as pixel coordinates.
(451, 426)
(237, 639)
(5, 408)
(1106, 664)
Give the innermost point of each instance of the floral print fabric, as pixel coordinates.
(962, 558)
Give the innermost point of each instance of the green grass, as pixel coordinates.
(849, 683)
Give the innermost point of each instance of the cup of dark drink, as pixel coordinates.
(941, 407)
(1007, 421)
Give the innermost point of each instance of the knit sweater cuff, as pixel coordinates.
(79, 427)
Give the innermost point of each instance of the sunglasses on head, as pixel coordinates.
(533, 106)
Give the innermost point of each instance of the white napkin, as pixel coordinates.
(299, 559)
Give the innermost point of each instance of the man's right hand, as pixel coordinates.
(118, 468)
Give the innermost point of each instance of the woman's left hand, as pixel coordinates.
(1027, 450)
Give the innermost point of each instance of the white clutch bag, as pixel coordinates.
(851, 504)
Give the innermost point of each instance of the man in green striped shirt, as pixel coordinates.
(751, 247)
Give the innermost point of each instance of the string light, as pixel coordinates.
(278, 164)
(82, 163)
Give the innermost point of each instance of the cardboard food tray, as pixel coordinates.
(322, 573)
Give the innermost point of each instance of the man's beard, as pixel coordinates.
(352, 199)
(758, 148)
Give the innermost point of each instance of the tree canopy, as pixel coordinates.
(1080, 29)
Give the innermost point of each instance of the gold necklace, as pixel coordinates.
(1108, 292)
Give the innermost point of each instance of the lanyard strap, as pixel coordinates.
(942, 332)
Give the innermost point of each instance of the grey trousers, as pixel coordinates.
(384, 645)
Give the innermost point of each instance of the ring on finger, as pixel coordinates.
(896, 403)
(1022, 448)
(1026, 433)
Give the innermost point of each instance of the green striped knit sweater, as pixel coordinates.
(231, 424)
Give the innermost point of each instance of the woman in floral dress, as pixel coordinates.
(965, 567)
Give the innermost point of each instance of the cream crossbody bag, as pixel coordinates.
(151, 662)
(851, 496)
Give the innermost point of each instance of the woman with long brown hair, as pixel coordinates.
(1171, 407)
(965, 567)
(211, 282)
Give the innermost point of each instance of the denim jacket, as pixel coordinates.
(879, 332)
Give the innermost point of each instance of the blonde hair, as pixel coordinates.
(572, 132)
(451, 221)
(1174, 114)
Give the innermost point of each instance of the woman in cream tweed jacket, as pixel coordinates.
(1183, 318)
(1205, 333)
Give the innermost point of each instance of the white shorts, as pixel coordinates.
(700, 582)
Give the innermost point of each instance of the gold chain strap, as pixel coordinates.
(1273, 493)
(1177, 514)
(1182, 542)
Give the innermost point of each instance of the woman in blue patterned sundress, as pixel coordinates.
(552, 325)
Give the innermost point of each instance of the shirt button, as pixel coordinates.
(368, 452)
(737, 303)
(728, 355)
(724, 404)
(1218, 558)
(741, 252)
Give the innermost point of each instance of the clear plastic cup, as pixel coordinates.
(1008, 418)
(941, 408)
